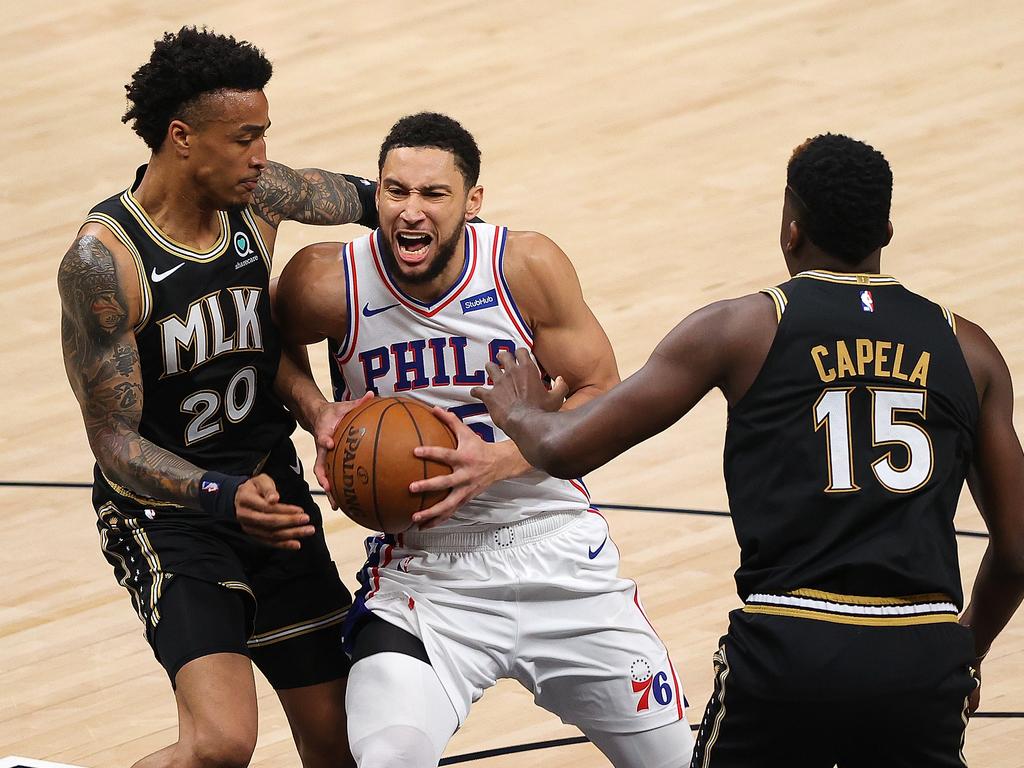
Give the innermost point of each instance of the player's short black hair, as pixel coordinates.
(430, 129)
(843, 190)
(184, 66)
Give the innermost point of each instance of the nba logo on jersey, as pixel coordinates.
(867, 301)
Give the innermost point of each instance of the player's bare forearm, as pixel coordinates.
(517, 464)
(539, 435)
(511, 462)
(998, 591)
(295, 386)
(575, 441)
(144, 467)
(102, 364)
(307, 195)
(996, 481)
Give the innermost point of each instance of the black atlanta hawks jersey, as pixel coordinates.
(845, 459)
(208, 349)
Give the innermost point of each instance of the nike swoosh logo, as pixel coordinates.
(367, 312)
(158, 276)
(595, 552)
(297, 466)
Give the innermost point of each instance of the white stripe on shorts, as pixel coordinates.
(490, 537)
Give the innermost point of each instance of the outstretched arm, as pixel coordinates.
(713, 347)
(568, 341)
(314, 196)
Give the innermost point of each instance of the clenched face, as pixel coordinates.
(423, 204)
(227, 149)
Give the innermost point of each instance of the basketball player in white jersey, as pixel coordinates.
(513, 575)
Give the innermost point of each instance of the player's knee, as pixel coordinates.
(223, 747)
(324, 749)
(393, 746)
(668, 746)
(398, 712)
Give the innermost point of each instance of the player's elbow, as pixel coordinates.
(110, 464)
(111, 455)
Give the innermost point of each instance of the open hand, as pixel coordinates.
(259, 511)
(326, 423)
(475, 464)
(518, 385)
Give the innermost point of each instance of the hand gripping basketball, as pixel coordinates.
(372, 463)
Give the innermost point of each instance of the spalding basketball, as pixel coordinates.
(372, 463)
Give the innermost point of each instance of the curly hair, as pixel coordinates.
(183, 67)
(844, 190)
(430, 129)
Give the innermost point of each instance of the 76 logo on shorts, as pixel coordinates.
(646, 684)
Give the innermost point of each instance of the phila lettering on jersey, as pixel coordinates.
(435, 353)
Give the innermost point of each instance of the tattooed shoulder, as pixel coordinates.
(89, 289)
(309, 196)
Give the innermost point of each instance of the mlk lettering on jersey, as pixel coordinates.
(203, 330)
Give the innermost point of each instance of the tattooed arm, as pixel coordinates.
(102, 362)
(313, 196)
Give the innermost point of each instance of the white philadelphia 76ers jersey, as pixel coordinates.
(435, 353)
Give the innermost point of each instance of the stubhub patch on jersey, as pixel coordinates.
(480, 301)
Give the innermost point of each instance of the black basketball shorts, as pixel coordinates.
(805, 693)
(203, 586)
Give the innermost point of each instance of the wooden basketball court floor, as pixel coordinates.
(648, 138)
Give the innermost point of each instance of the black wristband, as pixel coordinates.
(367, 191)
(217, 494)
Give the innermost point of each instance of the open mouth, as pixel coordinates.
(413, 246)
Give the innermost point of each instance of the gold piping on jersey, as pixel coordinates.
(779, 298)
(261, 463)
(964, 717)
(241, 586)
(721, 674)
(934, 597)
(247, 217)
(298, 629)
(950, 318)
(122, 491)
(849, 278)
(125, 581)
(865, 621)
(157, 587)
(173, 247)
(122, 237)
(855, 609)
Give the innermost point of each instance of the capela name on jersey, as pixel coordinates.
(869, 357)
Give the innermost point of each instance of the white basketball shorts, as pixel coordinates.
(539, 601)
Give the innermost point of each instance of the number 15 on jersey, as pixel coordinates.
(831, 412)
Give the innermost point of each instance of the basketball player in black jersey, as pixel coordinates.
(856, 411)
(171, 351)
